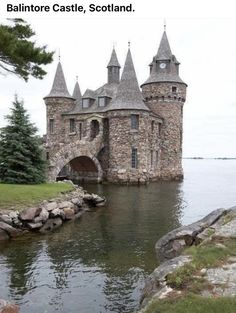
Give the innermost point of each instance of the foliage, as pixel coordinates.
(21, 196)
(193, 304)
(19, 54)
(21, 159)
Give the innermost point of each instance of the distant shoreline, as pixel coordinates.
(201, 158)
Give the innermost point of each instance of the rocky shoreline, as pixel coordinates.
(182, 267)
(48, 215)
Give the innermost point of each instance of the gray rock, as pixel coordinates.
(227, 231)
(77, 201)
(3, 235)
(93, 200)
(43, 216)
(6, 219)
(157, 280)
(56, 213)
(51, 224)
(173, 243)
(65, 204)
(29, 214)
(11, 231)
(14, 214)
(50, 206)
(34, 225)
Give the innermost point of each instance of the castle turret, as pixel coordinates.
(58, 101)
(77, 93)
(113, 69)
(165, 93)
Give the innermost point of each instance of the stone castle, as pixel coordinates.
(118, 133)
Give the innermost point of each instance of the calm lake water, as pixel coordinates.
(98, 264)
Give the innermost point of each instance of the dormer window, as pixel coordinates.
(101, 101)
(85, 103)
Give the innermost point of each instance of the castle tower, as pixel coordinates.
(113, 69)
(77, 93)
(165, 94)
(58, 101)
(128, 137)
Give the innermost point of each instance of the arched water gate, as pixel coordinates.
(76, 162)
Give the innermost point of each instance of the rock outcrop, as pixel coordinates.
(49, 215)
(213, 229)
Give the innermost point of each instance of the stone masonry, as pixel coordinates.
(118, 133)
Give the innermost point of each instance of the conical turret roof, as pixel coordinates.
(128, 94)
(77, 93)
(164, 51)
(59, 88)
(113, 60)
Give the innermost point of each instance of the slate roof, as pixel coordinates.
(89, 94)
(77, 93)
(128, 94)
(59, 88)
(163, 77)
(113, 60)
(164, 51)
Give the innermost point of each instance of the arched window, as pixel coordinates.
(94, 129)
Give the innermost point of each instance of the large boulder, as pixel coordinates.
(43, 216)
(29, 214)
(50, 206)
(94, 200)
(156, 282)
(11, 231)
(65, 204)
(173, 243)
(51, 224)
(69, 213)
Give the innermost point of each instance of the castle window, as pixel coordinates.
(153, 126)
(80, 131)
(151, 158)
(134, 121)
(159, 129)
(47, 155)
(94, 129)
(51, 126)
(101, 101)
(134, 158)
(85, 103)
(157, 158)
(72, 125)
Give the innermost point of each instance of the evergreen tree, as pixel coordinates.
(19, 54)
(21, 159)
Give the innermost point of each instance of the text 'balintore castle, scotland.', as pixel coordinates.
(118, 133)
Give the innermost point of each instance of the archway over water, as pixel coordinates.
(81, 169)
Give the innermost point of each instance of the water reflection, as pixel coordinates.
(98, 263)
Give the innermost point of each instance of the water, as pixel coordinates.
(99, 263)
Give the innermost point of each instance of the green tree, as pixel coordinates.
(19, 54)
(21, 160)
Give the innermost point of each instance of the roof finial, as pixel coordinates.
(59, 55)
(76, 77)
(164, 24)
(129, 44)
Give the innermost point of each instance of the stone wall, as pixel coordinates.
(121, 141)
(169, 105)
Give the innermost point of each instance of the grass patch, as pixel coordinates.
(193, 304)
(204, 256)
(20, 196)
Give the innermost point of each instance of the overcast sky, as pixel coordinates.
(202, 35)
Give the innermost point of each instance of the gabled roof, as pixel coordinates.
(77, 93)
(59, 88)
(89, 94)
(128, 94)
(113, 60)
